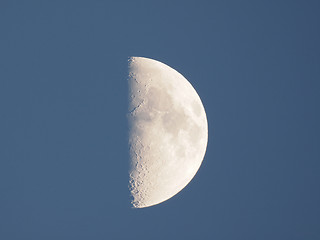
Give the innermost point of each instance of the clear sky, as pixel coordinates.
(63, 130)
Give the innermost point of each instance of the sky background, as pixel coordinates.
(63, 130)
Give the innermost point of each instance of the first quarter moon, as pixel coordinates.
(168, 132)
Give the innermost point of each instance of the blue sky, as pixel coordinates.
(63, 131)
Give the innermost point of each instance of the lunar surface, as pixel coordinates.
(168, 132)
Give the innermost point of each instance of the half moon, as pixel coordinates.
(168, 132)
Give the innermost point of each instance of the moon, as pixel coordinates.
(168, 132)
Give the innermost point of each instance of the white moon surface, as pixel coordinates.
(168, 132)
